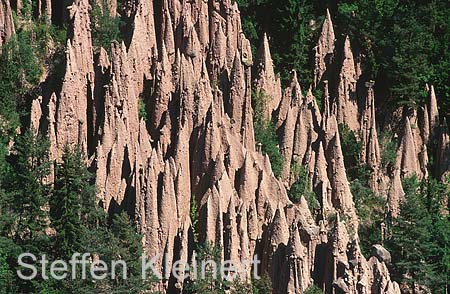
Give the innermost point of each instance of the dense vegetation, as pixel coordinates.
(404, 43)
(419, 239)
(302, 187)
(58, 219)
(105, 26)
(36, 47)
(265, 131)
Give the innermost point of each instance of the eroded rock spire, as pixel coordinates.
(345, 106)
(324, 50)
(173, 122)
(266, 81)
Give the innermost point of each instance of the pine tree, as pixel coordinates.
(410, 238)
(419, 239)
(8, 251)
(127, 245)
(263, 285)
(6, 217)
(24, 200)
(435, 193)
(209, 279)
(29, 193)
(71, 201)
(293, 39)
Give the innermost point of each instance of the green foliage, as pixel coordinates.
(388, 151)
(20, 71)
(27, 204)
(370, 209)
(194, 218)
(313, 289)
(126, 245)
(404, 43)
(291, 25)
(263, 285)
(23, 200)
(8, 252)
(142, 110)
(22, 61)
(352, 147)
(6, 274)
(71, 201)
(209, 280)
(265, 132)
(293, 44)
(412, 52)
(302, 187)
(6, 218)
(104, 26)
(29, 193)
(238, 286)
(319, 95)
(420, 237)
(82, 227)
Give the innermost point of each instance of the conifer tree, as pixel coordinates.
(28, 191)
(71, 201)
(209, 279)
(419, 239)
(127, 245)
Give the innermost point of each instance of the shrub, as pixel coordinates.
(370, 210)
(265, 132)
(142, 110)
(20, 72)
(388, 151)
(351, 149)
(208, 281)
(105, 27)
(313, 289)
(263, 285)
(194, 218)
(302, 187)
(239, 286)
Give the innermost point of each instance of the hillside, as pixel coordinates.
(155, 126)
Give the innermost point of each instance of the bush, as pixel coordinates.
(265, 132)
(194, 218)
(370, 210)
(263, 285)
(208, 281)
(142, 110)
(351, 149)
(313, 289)
(388, 151)
(302, 187)
(105, 27)
(20, 72)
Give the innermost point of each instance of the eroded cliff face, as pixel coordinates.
(192, 71)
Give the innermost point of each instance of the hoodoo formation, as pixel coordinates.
(189, 67)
